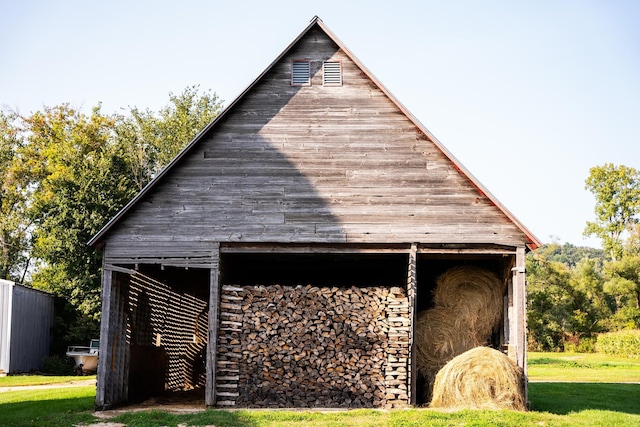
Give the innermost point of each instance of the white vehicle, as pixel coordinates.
(86, 358)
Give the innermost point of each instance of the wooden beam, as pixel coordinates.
(520, 306)
(311, 249)
(212, 347)
(105, 339)
(466, 251)
(443, 249)
(517, 348)
(412, 286)
(113, 364)
(119, 269)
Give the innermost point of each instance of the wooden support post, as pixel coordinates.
(518, 338)
(212, 347)
(113, 363)
(412, 286)
(519, 304)
(105, 339)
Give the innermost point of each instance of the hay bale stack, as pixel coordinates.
(474, 294)
(480, 378)
(468, 307)
(440, 336)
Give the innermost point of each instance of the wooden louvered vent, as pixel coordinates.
(300, 73)
(332, 73)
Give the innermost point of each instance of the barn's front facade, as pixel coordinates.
(281, 259)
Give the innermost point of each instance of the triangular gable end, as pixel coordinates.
(532, 241)
(312, 203)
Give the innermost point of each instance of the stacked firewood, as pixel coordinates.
(396, 369)
(306, 346)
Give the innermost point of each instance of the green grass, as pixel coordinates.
(374, 418)
(55, 407)
(583, 367)
(604, 405)
(22, 380)
(565, 398)
(597, 402)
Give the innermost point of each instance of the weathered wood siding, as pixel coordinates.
(113, 363)
(312, 164)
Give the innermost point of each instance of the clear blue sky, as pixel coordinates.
(527, 95)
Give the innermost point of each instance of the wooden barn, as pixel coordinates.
(281, 259)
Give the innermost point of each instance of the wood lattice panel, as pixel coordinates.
(177, 321)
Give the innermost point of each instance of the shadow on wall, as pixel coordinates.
(245, 181)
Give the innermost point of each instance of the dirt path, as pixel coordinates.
(75, 383)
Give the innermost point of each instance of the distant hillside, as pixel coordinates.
(569, 254)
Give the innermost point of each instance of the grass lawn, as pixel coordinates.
(20, 380)
(55, 407)
(597, 400)
(583, 367)
(369, 417)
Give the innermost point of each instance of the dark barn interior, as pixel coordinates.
(321, 269)
(167, 329)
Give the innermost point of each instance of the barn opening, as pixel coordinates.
(167, 330)
(431, 267)
(313, 330)
(263, 294)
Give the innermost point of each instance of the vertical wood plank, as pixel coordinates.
(113, 364)
(510, 321)
(520, 313)
(121, 369)
(412, 286)
(105, 339)
(212, 344)
(520, 306)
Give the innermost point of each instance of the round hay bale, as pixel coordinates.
(481, 378)
(475, 294)
(440, 335)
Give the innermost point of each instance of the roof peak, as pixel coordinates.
(532, 241)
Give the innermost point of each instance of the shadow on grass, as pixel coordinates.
(563, 398)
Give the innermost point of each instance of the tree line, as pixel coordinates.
(575, 293)
(64, 173)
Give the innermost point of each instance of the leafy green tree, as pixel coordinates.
(14, 226)
(564, 303)
(590, 304)
(151, 140)
(548, 304)
(78, 182)
(623, 284)
(617, 193)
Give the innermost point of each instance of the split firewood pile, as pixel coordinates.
(307, 346)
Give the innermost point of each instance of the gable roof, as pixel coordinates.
(531, 241)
